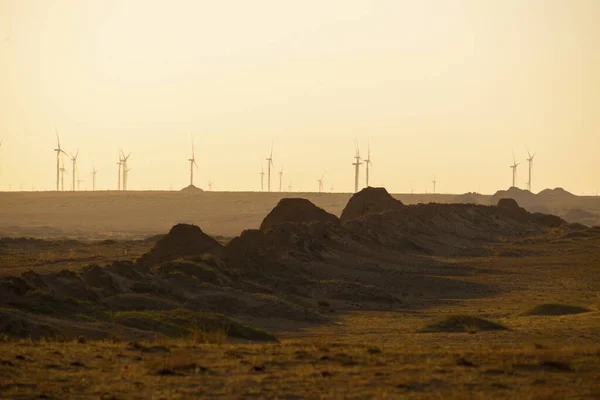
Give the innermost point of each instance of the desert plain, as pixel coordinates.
(175, 295)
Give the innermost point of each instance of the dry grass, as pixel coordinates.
(201, 335)
(296, 368)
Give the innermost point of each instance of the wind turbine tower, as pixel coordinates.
(357, 165)
(94, 172)
(210, 185)
(368, 163)
(269, 164)
(262, 178)
(321, 183)
(281, 179)
(530, 160)
(125, 177)
(125, 169)
(120, 164)
(514, 168)
(192, 164)
(62, 175)
(74, 160)
(434, 183)
(58, 151)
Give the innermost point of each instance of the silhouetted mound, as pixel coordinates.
(548, 220)
(523, 197)
(557, 194)
(468, 198)
(554, 310)
(462, 323)
(511, 208)
(509, 203)
(370, 200)
(182, 241)
(577, 215)
(191, 189)
(296, 211)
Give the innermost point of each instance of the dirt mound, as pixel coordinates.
(182, 241)
(554, 310)
(523, 197)
(369, 201)
(577, 215)
(509, 203)
(191, 189)
(556, 194)
(548, 220)
(463, 323)
(182, 323)
(296, 210)
(100, 280)
(18, 324)
(468, 198)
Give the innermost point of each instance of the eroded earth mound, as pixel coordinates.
(369, 201)
(182, 241)
(296, 211)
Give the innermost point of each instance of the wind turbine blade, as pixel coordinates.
(57, 138)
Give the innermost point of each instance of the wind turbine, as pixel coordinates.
(368, 163)
(62, 175)
(269, 164)
(94, 172)
(434, 183)
(321, 183)
(210, 185)
(514, 168)
(290, 187)
(125, 169)
(126, 177)
(357, 165)
(262, 178)
(58, 151)
(530, 160)
(280, 179)
(79, 184)
(120, 164)
(74, 160)
(192, 164)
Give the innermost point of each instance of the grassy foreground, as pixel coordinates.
(291, 369)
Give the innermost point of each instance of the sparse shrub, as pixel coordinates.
(324, 304)
(202, 335)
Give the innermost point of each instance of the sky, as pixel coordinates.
(444, 88)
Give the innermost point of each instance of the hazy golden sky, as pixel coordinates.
(440, 87)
